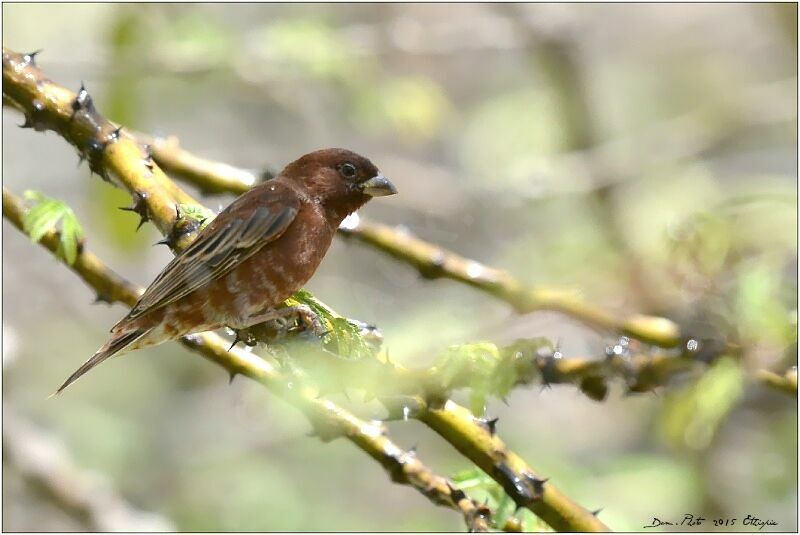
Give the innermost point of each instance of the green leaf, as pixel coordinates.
(197, 212)
(71, 233)
(504, 509)
(44, 216)
(41, 219)
(691, 416)
(471, 478)
(344, 337)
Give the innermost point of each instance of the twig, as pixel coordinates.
(329, 420)
(46, 466)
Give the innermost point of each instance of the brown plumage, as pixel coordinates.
(255, 254)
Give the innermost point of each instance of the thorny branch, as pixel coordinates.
(328, 419)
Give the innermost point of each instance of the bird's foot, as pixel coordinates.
(310, 321)
(277, 324)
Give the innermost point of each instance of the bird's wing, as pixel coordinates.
(235, 235)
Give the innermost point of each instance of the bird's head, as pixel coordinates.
(339, 179)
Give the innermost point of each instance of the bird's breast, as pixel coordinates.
(275, 272)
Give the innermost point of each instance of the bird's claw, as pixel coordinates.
(311, 322)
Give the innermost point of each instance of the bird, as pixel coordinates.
(251, 257)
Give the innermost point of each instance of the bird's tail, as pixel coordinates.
(111, 348)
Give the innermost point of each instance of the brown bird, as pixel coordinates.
(254, 255)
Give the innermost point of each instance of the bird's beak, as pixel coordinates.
(378, 186)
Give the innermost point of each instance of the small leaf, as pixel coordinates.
(470, 478)
(44, 216)
(71, 233)
(40, 220)
(505, 508)
(33, 195)
(199, 213)
(344, 337)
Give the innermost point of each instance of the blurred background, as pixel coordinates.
(643, 155)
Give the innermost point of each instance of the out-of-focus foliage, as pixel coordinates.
(643, 156)
(693, 414)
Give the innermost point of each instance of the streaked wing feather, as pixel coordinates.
(217, 250)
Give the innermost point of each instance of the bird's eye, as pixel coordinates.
(348, 170)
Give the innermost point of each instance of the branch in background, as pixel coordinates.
(44, 464)
(328, 419)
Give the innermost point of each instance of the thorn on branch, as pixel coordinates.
(456, 494)
(94, 154)
(148, 158)
(113, 137)
(102, 298)
(30, 58)
(537, 484)
(596, 512)
(35, 119)
(483, 511)
(525, 488)
(181, 227)
(139, 207)
(83, 101)
(490, 425)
